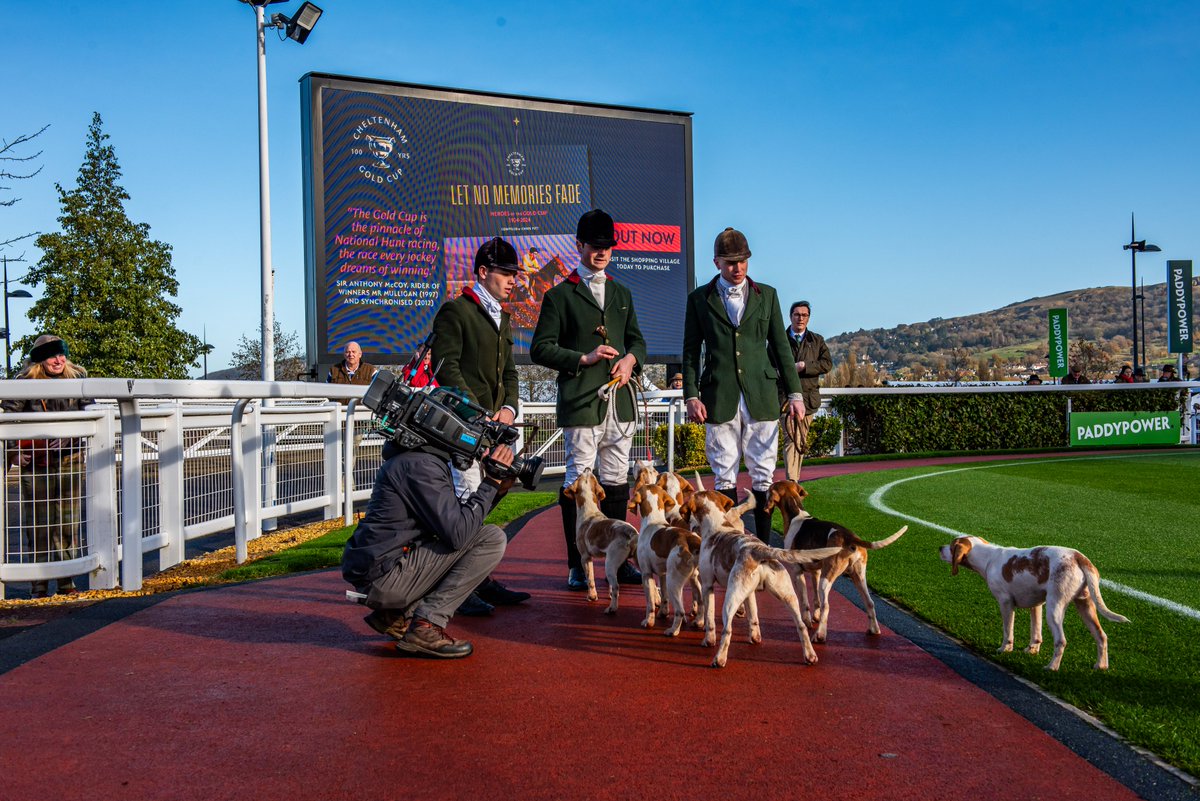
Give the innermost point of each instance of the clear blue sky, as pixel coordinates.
(890, 162)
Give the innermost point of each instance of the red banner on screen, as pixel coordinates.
(658, 238)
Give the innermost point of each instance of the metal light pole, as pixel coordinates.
(297, 28)
(267, 357)
(1142, 321)
(1135, 247)
(16, 293)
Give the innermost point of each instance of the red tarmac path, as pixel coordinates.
(277, 689)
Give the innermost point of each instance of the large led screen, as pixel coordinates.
(403, 183)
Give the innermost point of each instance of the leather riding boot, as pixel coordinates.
(616, 499)
(615, 507)
(567, 505)
(731, 494)
(762, 518)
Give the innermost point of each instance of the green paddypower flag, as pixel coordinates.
(1124, 428)
(1058, 342)
(1179, 306)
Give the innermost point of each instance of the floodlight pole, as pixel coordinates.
(264, 203)
(1134, 247)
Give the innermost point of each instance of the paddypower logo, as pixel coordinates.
(1125, 428)
(380, 145)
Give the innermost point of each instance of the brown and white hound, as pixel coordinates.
(801, 532)
(1027, 578)
(597, 535)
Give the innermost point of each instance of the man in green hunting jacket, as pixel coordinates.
(735, 391)
(588, 332)
(473, 352)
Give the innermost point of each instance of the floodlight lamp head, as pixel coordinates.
(301, 25)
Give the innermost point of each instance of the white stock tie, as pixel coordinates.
(735, 304)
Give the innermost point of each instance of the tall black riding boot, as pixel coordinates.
(567, 506)
(616, 501)
(615, 507)
(762, 518)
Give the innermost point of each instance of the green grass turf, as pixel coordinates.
(326, 550)
(1135, 516)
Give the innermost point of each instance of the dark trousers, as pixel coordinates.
(431, 581)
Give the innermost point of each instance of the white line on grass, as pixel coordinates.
(876, 501)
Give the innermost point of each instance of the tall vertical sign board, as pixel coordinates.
(1058, 342)
(1179, 306)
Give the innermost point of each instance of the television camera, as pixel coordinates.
(446, 420)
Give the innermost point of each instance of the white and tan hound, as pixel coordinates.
(1027, 578)
(597, 535)
(669, 552)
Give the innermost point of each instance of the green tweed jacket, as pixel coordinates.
(572, 324)
(471, 354)
(737, 361)
(813, 351)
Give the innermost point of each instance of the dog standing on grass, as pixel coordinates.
(1028, 578)
(803, 531)
(598, 535)
(670, 552)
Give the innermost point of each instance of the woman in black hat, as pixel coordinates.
(51, 469)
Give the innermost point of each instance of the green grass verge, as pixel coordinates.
(1132, 514)
(326, 550)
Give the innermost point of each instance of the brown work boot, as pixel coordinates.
(425, 639)
(388, 622)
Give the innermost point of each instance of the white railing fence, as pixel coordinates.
(162, 463)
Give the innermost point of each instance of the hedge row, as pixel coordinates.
(985, 421)
(823, 436)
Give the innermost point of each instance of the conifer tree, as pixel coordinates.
(108, 287)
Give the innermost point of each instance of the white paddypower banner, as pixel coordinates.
(1125, 428)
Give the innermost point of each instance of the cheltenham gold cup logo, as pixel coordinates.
(382, 142)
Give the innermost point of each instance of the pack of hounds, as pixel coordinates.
(691, 538)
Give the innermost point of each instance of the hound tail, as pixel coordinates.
(734, 515)
(804, 557)
(886, 541)
(1092, 577)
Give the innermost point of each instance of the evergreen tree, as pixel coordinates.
(108, 285)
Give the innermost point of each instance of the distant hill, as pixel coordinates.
(1011, 340)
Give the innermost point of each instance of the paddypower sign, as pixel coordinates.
(1125, 428)
(1179, 306)
(1058, 342)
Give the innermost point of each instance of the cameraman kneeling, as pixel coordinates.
(419, 552)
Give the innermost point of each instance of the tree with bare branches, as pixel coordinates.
(17, 166)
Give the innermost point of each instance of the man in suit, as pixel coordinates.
(588, 332)
(473, 352)
(811, 360)
(734, 392)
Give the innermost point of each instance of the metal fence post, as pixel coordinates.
(333, 461)
(131, 495)
(240, 477)
(101, 502)
(348, 455)
(170, 490)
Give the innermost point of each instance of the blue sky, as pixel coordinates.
(890, 162)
